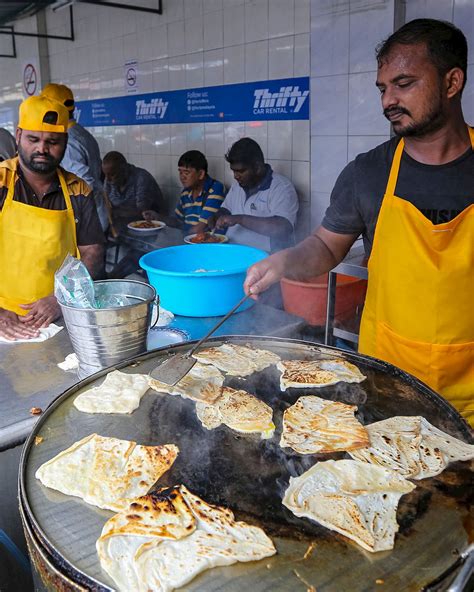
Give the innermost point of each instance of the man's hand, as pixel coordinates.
(265, 273)
(227, 220)
(41, 313)
(12, 328)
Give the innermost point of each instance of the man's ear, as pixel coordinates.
(18, 135)
(201, 174)
(454, 80)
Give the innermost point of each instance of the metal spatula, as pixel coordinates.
(172, 370)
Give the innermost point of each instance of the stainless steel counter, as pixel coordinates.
(30, 377)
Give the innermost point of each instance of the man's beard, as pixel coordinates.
(44, 166)
(431, 122)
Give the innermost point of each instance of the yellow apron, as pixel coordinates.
(33, 243)
(418, 312)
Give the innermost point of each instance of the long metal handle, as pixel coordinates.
(221, 322)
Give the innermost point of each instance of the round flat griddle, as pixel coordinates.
(250, 475)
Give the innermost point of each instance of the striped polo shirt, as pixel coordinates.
(191, 211)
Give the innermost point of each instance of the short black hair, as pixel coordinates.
(115, 157)
(446, 44)
(245, 151)
(194, 159)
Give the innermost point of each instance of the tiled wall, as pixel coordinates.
(193, 43)
(346, 115)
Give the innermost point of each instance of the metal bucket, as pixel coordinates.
(103, 337)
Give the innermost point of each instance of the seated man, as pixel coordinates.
(129, 190)
(7, 144)
(261, 206)
(200, 199)
(46, 214)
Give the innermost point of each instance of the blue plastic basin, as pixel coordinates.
(185, 289)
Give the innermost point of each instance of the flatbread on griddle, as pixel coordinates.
(314, 425)
(237, 360)
(107, 472)
(412, 447)
(201, 383)
(163, 540)
(317, 373)
(238, 410)
(353, 498)
(119, 393)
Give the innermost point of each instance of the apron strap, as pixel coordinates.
(392, 179)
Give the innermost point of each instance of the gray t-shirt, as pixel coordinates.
(439, 192)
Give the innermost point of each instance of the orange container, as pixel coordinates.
(309, 299)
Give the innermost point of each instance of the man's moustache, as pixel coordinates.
(395, 111)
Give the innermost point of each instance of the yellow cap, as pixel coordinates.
(60, 93)
(40, 114)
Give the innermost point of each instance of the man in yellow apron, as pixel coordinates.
(45, 213)
(412, 199)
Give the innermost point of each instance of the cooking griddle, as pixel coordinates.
(250, 475)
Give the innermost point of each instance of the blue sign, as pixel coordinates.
(250, 101)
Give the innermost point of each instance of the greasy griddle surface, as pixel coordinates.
(250, 475)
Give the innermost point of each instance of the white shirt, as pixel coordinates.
(279, 199)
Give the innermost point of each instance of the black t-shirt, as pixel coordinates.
(440, 192)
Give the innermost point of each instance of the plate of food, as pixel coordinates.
(205, 238)
(146, 225)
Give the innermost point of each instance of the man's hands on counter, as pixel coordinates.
(40, 313)
(12, 328)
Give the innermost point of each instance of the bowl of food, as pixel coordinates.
(146, 225)
(204, 281)
(205, 238)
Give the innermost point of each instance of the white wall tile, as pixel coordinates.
(301, 140)
(328, 158)
(217, 168)
(330, 44)
(280, 57)
(256, 20)
(173, 11)
(303, 222)
(195, 136)
(234, 64)
(329, 105)
(192, 9)
(360, 144)
(229, 3)
(131, 48)
(211, 5)
(280, 140)
(158, 43)
(178, 140)
(177, 73)
(160, 75)
(319, 204)
(194, 70)
(144, 80)
(468, 96)
(463, 17)
(214, 30)
(133, 139)
(302, 16)
(368, 27)
(282, 167)
(281, 18)
(176, 43)
(214, 140)
(162, 140)
(436, 9)
(214, 67)
(163, 169)
(194, 34)
(300, 176)
(258, 131)
(302, 55)
(365, 110)
(256, 61)
(234, 26)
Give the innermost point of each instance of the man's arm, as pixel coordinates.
(148, 193)
(316, 255)
(93, 258)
